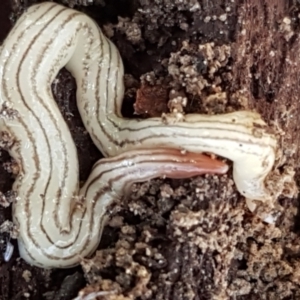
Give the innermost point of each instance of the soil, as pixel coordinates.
(182, 239)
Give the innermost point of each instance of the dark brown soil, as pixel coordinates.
(183, 239)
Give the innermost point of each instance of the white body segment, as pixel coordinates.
(45, 39)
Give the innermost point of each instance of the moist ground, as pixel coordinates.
(183, 239)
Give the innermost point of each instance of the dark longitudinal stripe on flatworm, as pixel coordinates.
(39, 122)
